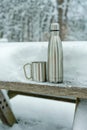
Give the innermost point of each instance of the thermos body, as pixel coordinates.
(55, 57)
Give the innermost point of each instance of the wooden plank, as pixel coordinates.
(12, 94)
(45, 89)
(6, 113)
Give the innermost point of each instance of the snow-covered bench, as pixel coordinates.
(14, 55)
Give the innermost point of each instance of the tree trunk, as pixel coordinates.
(62, 22)
(60, 14)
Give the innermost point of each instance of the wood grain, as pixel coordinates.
(45, 89)
(6, 114)
(12, 94)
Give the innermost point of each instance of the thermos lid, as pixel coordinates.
(54, 27)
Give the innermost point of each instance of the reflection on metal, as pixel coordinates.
(55, 56)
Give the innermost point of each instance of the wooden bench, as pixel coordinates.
(75, 83)
(6, 114)
(45, 90)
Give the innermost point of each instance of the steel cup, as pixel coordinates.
(37, 71)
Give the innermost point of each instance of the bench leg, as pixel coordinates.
(80, 118)
(6, 113)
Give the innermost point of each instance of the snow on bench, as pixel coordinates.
(14, 55)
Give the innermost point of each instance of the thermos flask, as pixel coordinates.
(55, 56)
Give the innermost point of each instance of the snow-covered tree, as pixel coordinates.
(27, 20)
(77, 20)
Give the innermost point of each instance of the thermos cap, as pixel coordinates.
(54, 27)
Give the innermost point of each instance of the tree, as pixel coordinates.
(62, 6)
(27, 20)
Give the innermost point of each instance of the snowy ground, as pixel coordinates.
(41, 114)
(35, 113)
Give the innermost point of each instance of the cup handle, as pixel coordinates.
(24, 68)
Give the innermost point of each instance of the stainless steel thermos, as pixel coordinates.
(55, 56)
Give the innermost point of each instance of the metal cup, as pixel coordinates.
(37, 71)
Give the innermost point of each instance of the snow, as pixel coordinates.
(41, 114)
(81, 116)
(14, 55)
(3, 40)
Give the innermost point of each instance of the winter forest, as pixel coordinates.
(29, 20)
